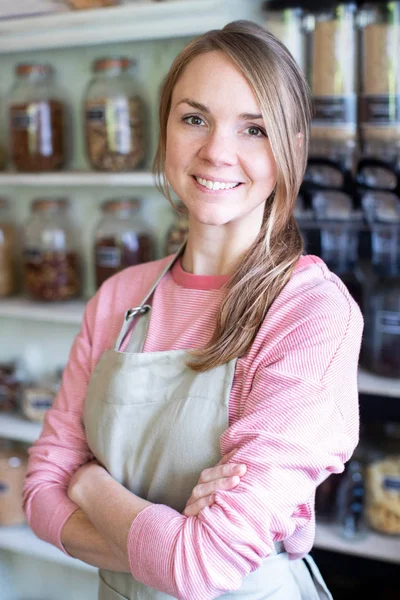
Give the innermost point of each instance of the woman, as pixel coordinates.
(238, 346)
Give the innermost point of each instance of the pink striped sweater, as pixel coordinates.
(293, 414)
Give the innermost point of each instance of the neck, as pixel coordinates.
(213, 251)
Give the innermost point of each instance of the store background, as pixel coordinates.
(353, 558)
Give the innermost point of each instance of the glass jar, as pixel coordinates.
(380, 352)
(38, 118)
(7, 250)
(114, 117)
(52, 265)
(122, 239)
(10, 387)
(178, 231)
(350, 501)
(284, 18)
(332, 73)
(13, 465)
(87, 4)
(383, 478)
(380, 79)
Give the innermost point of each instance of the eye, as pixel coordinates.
(193, 120)
(254, 131)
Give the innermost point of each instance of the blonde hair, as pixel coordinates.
(285, 104)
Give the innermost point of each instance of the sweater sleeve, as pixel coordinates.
(61, 448)
(298, 425)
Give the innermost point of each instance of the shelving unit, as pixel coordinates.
(137, 21)
(23, 541)
(78, 179)
(374, 545)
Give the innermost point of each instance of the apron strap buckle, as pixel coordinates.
(138, 310)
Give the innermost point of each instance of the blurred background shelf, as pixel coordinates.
(128, 22)
(21, 539)
(374, 545)
(15, 427)
(78, 178)
(58, 312)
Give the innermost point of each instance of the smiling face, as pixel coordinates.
(218, 157)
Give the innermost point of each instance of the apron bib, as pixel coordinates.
(155, 425)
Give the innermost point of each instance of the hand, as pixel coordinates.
(86, 475)
(221, 477)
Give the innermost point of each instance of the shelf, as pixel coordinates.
(374, 545)
(134, 21)
(22, 540)
(77, 179)
(69, 313)
(378, 386)
(15, 427)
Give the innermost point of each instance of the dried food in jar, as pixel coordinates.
(13, 465)
(383, 495)
(86, 4)
(37, 135)
(36, 400)
(52, 275)
(115, 137)
(10, 387)
(7, 247)
(112, 254)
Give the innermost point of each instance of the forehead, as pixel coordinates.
(212, 78)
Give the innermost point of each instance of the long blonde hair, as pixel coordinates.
(285, 104)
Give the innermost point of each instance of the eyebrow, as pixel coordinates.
(204, 109)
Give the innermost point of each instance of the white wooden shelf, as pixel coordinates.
(378, 386)
(15, 427)
(135, 21)
(77, 179)
(69, 313)
(22, 540)
(374, 545)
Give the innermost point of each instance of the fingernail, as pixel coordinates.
(235, 480)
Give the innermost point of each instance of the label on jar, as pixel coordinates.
(388, 322)
(380, 110)
(115, 116)
(108, 257)
(335, 110)
(42, 403)
(4, 487)
(33, 255)
(391, 484)
(22, 119)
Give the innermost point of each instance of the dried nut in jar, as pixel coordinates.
(115, 138)
(37, 135)
(86, 4)
(51, 275)
(383, 495)
(36, 400)
(9, 388)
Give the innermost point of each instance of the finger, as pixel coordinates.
(222, 471)
(194, 509)
(203, 490)
(226, 457)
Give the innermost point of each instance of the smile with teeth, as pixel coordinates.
(216, 185)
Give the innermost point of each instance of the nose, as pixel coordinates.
(219, 149)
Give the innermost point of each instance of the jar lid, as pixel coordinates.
(49, 204)
(281, 5)
(28, 68)
(121, 63)
(116, 204)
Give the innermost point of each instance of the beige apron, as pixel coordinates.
(155, 425)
